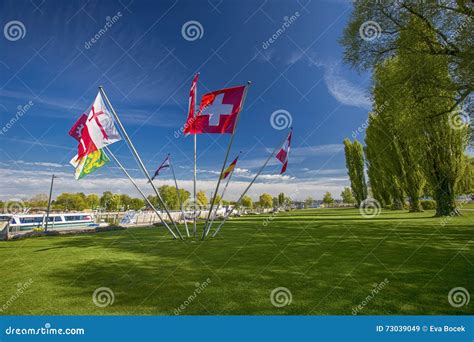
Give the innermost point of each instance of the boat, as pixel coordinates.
(26, 222)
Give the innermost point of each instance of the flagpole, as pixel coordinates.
(248, 187)
(134, 151)
(140, 191)
(195, 176)
(179, 196)
(204, 233)
(222, 198)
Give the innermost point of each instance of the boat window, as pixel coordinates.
(31, 219)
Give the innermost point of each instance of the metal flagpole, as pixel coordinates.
(204, 233)
(134, 151)
(49, 203)
(248, 187)
(141, 192)
(179, 196)
(222, 198)
(195, 176)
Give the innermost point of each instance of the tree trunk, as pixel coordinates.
(415, 205)
(445, 200)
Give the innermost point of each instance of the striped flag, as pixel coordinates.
(229, 169)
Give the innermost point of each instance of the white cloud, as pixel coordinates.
(20, 184)
(343, 90)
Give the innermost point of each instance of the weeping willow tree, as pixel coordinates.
(354, 153)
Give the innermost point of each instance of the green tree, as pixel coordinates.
(355, 167)
(399, 156)
(327, 199)
(202, 198)
(92, 201)
(247, 202)
(39, 201)
(281, 198)
(266, 200)
(106, 199)
(136, 204)
(70, 201)
(309, 202)
(439, 145)
(347, 196)
(445, 28)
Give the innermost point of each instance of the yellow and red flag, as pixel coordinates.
(229, 169)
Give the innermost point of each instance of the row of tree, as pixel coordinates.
(417, 134)
(118, 202)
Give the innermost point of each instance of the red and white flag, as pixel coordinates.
(218, 111)
(284, 152)
(98, 131)
(191, 105)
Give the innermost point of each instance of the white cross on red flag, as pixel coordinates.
(284, 153)
(218, 111)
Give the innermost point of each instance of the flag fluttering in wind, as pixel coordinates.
(191, 105)
(89, 163)
(164, 165)
(99, 128)
(229, 169)
(93, 132)
(284, 152)
(218, 111)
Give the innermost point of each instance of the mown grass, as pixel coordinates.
(329, 259)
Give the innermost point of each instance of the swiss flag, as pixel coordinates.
(218, 111)
(284, 152)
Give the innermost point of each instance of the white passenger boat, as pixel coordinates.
(25, 222)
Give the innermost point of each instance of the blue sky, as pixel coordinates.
(146, 65)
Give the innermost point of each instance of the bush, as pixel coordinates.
(428, 204)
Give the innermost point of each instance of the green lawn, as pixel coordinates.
(329, 259)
